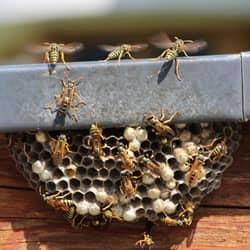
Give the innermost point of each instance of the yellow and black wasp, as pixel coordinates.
(216, 149)
(173, 49)
(147, 241)
(65, 102)
(54, 52)
(96, 140)
(122, 50)
(160, 125)
(59, 148)
(57, 200)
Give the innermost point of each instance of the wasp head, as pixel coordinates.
(126, 47)
(54, 46)
(62, 137)
(179, 43)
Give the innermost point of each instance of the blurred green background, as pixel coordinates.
(224, 24)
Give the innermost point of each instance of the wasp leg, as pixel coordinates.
(185, 53)
(56, 100)
(210, 145)
(108, 206)
(63, 83)
(171, 118)
(68, 150)
(120, 56)
(57, 195)
(162, 116)
(80, 99)
(46, 57)
(108, 57)
(50, 105)
(80, 223)
(73, 116)
(162, 55)
(62, 58)
(78, 80)
(177, 69)
(130, 56)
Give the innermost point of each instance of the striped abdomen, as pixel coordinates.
(171, 54)
(115, 53)
(54, 56)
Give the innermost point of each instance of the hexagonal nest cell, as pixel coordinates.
(137, 175)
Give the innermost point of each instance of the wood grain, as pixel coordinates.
(223, 221)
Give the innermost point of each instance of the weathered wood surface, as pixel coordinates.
(223, 221)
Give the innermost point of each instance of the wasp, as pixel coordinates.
(159, 124)
(54, 52)
(128, 185)
(95, 141)
(108, 215)
(129, 161)
(147, 241)
(171, 222)
(57, 200)
(173, 49)
(150, 164)
(59, 148)
(122, 50)
(71, 216)
(186, 215)
(217, 148)
(195, 173)
(66, 101)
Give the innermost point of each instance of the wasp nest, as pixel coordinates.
(135, 174)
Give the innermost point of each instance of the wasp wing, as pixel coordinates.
(108, 48)
(72, 47)
(164, 71)
(161, 41)
(196, 47)
(139, 47)
(37, 48)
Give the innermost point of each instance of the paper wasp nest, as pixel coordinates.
(91, 181)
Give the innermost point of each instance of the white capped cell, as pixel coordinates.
(45, 175)
(101, 195)
(190, 147)
(129, 214)
(94, 209)
(171, 184)
(169, 206)
(129, 133)
(82, 207)
(154, 193)
(158, 206)
(166, 172)
(148, 179)
(41, 137)
(141, 134)
(38, 167)
(181, 155)
(134, 145)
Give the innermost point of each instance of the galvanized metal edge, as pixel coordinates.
(119, 94)
(245, 60)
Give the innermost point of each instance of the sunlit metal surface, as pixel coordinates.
(118, 94)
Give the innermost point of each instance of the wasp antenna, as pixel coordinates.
(79, 80)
